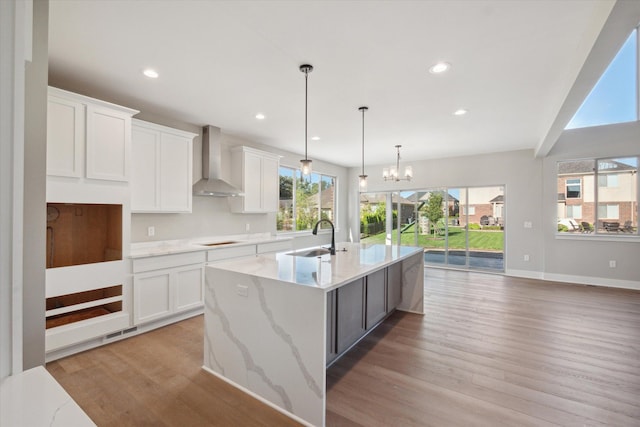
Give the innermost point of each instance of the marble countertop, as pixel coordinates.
(168, 247)
(34, 398)
(352, 260)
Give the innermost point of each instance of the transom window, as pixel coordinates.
(305, 200)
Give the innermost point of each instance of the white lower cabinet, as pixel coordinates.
(164, 286)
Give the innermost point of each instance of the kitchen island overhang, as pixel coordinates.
(269, 321)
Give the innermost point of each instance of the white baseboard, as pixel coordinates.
(580, 280)
(595, 281)
(526, 274)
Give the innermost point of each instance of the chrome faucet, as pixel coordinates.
(332, 250)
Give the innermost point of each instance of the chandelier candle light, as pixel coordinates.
(305, 164)
(363, 177)
(391, 173)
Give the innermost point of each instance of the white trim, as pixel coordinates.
(595, 281)
(526, 274)
(578, 280)
(258, 397)
(599, 237)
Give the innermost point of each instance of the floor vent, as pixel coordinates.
(113, 335)
(128, 331)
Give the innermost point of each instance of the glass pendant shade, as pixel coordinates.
(305, 166)
(408, 172)
(363, 183)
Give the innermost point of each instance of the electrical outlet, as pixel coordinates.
(528, 224)
(526, 257)
(151, 231)
(242, 290)
(247, 227)
(612, 264)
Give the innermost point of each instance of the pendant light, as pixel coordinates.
(305, 164)
(392, 173)
(363, 176)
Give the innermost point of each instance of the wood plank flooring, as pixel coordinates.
(490, 351)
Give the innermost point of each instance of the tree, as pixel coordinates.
(286, 187)
(433, 209)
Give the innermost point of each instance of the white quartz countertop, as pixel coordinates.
(168, 247)
(34, 398)
(352, 260)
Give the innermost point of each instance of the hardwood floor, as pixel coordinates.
(490, 351)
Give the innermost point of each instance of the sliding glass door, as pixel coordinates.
(457, 227)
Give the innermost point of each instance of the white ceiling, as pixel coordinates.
(221, 62)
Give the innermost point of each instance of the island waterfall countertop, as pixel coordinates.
(327, 272)
(168, 247)
(274, 322)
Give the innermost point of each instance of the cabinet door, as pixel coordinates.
(331, 350)
(252, 182)
(189, 287)
(394, 286)
(65, 137)
(108, 144)
(144, 171)
(350, 309)
(376, 297)
(270, 184)
(175, 173)
(151, 297)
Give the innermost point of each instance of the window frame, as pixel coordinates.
(320, 175)
(597, 232)
(567, 184)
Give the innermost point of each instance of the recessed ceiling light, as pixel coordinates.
(260, 116)
(152, 74)
(315, 138)
(460, 112)
(439, 68)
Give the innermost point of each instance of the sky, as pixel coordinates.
(613, 98)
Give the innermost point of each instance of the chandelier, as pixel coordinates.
(392, 172)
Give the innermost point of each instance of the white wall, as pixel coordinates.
(587, 259)
(35, 220)
(531, 195)
(519, 171)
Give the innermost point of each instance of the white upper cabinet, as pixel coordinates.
(161, 171)
(87, 138)
(65, 137)
(256, 173)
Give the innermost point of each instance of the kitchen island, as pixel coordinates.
(274, 322)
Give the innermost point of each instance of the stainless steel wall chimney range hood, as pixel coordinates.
(212, 183)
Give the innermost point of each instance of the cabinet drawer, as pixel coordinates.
(226, 253)
(264, 248)
(167, 261)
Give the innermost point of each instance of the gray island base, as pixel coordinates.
(274, 322)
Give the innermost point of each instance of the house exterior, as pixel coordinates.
(482, 205)
(616, 191)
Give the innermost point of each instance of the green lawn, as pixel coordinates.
(478, 240)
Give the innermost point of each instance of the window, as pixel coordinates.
(305, 200)
(573, 188)
(471, 210)
(608, 189)
(574, 211)
(608, 180)
(614, 98)
(608, 211)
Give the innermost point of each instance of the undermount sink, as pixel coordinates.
(229, 242)
(310, 253)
